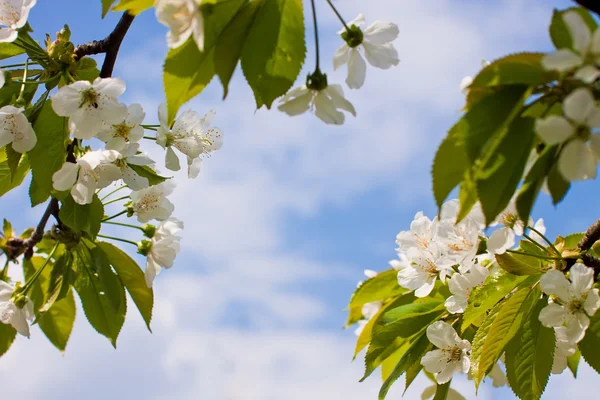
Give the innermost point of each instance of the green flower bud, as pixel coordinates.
(353, 36)
(149, 230)
(144, 247)
(316, 81)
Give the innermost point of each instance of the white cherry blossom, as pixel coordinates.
(451, 355)
(421, 235)
(564, 349)
(152, 203)
(585, 55)
(183, 18)
(577, 160)
(376, 46)
(129, 155)
(116, 136)
(574, 300)
(13, 16)
(90, 106)
(425, 268)
(17, 316)
(191, 135)
(15, 128)
(325, 103)
(92, 171)
(164, 248)
(461, 285)
(400, 263)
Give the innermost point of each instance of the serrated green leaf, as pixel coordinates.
(133, 6)
(413, 371)
(82, 218)
(519, 265)
(106, 4)
(59, 281)
(384, 285)
(449, 165)
(101, 292)
(559, 32)
(49, 154)
(388, 365)
(7, 229)
(529, 356)
(571, 241)
(8, 181)
(573, 362)
(557, 185)
(534, 180)
(147, 172)
(412, 356)
(8, 50)
(133, 278)
(505, 325)
(494, 289)
(13, 158)
(590, 343)
(354, 315)
(519, 68)
(480, 337)
(274, 50)
(467, 196)
(7, 337)
(501, 169)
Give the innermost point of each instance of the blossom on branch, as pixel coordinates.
(461, 285)
(90, 106)
(326, 103)
(452, 355)
(13, 16)
(116, 136)
(15, 128)
(12, 313)
(163, 248)
(376, 44)
(183, 18)
(130, 155)
(152, 203)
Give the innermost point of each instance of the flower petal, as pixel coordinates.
(65, 177)
(555, 283)
(341, 56)
(337, 95)
(326, 110)
(171, 160)
(554, 129)
(553, 315)
(578, 105)
(562, 60)
(501, 240)
(357, 70)
(582, 279)
(577, 161)
(587, 74)
(580, 32)
(434, 361)
(381, 32)
(381, 56)
(297, 105)
(592, 302)
(442, 335)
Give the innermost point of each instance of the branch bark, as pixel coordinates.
(110, 45)
(592, 5)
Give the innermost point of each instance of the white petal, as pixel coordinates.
(133, 180)
(152, 269)
(595, 144)
(19, 322)
(577, 161)
(162, 115)
(194, 167)
(578, 105)
(464, 84)
(25, 138)
(442, 335)
(592, 302)
(381, 56)
(562, 60)
(326, 110)
(553, 315)
(448, 371)
(554, 129)
(83, 192)
(580, 32)
(587, 74)
(297, 105)
(456, 304)
(357, 70)
(434, 361)
(171, 160)
(358, 21)
(341, 56)
(427, 287)
(381, 32)
(582, 279)
(337, 95)
(555, 283)
(65, 177)
(501, 240)
(576, 326)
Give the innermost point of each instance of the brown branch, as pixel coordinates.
(110, 45)
(592, 5)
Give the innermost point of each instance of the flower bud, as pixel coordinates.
(353, 36)
(144, 247)
(149, 230)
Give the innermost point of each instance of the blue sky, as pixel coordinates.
(285, 217)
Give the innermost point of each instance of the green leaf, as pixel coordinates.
(8, 50)
(479, 340)
(147, 172)
(132, 277)
(534, 180)
(101, 292)
(559, 32)
(571, 241)
(133, 6)
(557, 185)
(13, 158)
(82, 218)
(573, 362)
(7, 229)
(274, 50)
(7, 337)
(49, 154)
(529, 356)
(60, 280)
(106, 4)
(467, 196)
(517, 264)
(519, 68)
(590, 344)
(8, 181)
(231, 43)
(500, 171)
(505, 325)
(449, 165)
(412, 356)
(380, 287)
(494, 289)
(57, 322)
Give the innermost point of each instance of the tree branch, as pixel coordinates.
(110, 45)
(591, 236)
(592, 5)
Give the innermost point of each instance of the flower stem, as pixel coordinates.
(114, 216)
(150, 126)
(545, 239)
(17, 65)
(534, 242)
(533, 255)
(21, 98)
(149, 138)
(115, 200)
(113, 192)
(338, 14)
(118, 239)
(39, 271)
(123, 224)
(314, 14)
